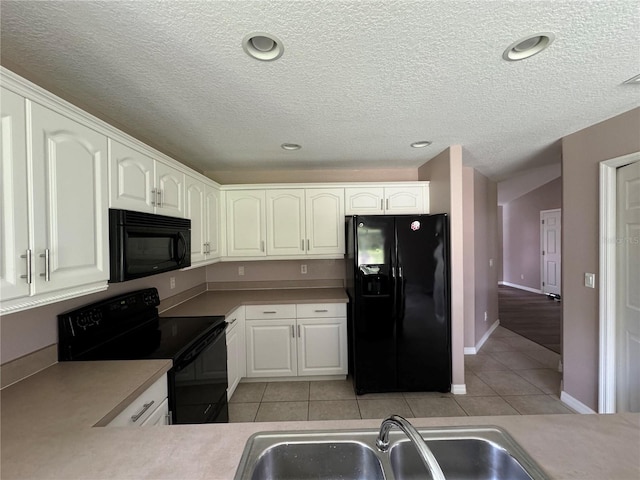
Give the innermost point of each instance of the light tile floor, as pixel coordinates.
(509, 376)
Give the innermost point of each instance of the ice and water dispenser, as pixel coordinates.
(375, 279)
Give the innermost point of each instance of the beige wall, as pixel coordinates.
(276, 270)
(31, 330)
(313, 176)
(445, 196)
(469, 263)
(521, 231)
(582, 151)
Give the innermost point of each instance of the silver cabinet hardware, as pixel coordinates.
(308, 248)
(387, 204)
(145, 407)
(160, 199)
(47, 265)
(270, 312)
(293, 331)
(262, 245)
(381, 204)
(232, 321)
(29, 275)
(302, 245)
(154, 196)
(321, 311)
(298, 331)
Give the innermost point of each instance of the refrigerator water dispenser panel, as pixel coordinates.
(373, 281)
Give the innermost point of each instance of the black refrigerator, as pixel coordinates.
(399, 310)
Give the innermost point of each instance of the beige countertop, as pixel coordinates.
(223, 302)
(47, 432)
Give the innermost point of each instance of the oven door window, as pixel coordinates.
(200, 388)
(149, 251)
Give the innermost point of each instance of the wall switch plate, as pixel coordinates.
(303, 269)
(241, 271)
(491, 262)
(590, 280)
(172, 282)
(485, 316)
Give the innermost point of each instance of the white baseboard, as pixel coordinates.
(521, 287)
(577, 405)
(459, 389)
(485, 337)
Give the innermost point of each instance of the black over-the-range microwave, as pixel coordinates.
(143, 244)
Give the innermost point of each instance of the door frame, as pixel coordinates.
(542, 277)
(607, 284)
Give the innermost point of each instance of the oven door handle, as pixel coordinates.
(183, 362)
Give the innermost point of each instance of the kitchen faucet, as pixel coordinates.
(382, 442)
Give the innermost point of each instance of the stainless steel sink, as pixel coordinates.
(463, 453)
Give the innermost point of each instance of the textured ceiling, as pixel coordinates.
(358, 81)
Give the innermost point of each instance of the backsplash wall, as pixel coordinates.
(276, 270)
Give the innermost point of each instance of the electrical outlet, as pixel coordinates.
(522, 277)
(172, 282)
(241, 271)
(491, 262)
(485, 316)
(590, 280)
(303, 269)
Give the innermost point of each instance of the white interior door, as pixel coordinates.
(628, 293)
(551, 237)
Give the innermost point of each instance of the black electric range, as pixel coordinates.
(127, 327)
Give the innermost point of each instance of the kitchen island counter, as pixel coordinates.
(47, 432)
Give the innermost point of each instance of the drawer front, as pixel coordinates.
(259, 312)
(143, 406)
(322, 310)
(160, 416)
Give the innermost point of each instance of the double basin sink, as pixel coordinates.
(461, 452)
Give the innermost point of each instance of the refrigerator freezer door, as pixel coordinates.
(422, 328)
(373, 320)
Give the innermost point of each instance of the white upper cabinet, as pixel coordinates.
(213, 222)
(140, 183)
(390, 200)
(195, 211)
(202, 204)
(14, 223)
(246, 223)
(70, 200)
(286, 222)
(325, 221)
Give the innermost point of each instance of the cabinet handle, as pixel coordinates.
(145, 407)
(381, 204)
(387, 204)
(29, 275)
(160, 199)
(321, 311)
(298, 331)
(302, 245)
(232, 321)
(154, 196)
(262, 245)
(308, 245)
(269, 312)
(47, 266)
(293, 331)
(206, 248)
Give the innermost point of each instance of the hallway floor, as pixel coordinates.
(510, 376)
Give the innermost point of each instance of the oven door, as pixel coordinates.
(198, 382)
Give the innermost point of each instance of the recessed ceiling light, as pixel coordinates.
(421, 144)
(528, 46)
(633, 80)
(290, 146)
(262, 46)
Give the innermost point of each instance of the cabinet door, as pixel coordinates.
(322, 346)
(246, 224)
(400, 200)
(212, 221)
(285, 222)
(364, 201)
(170, 183)
(131, 179)
(271, 348)
(325, 221)
(14, 222)
(70, 201)
(195, 211)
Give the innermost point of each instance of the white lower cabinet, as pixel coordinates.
(149, 409)
(236, 351)
(295, 343)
